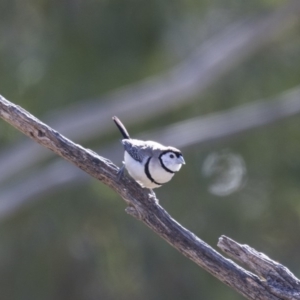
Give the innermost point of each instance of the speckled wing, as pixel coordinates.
(137, 149)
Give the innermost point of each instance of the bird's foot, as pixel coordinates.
(152, 193)
(153, 196)
(120, 173)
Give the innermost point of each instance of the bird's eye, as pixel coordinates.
(171, 155)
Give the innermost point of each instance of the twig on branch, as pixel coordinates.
(141, 205)
(276, 277)
(152, 96)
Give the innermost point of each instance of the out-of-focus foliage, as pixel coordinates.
(78, 243)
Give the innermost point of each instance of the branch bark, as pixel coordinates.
(145, 208)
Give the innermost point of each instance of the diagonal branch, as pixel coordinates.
(141, 205)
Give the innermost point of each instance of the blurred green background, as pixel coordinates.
(74, 240)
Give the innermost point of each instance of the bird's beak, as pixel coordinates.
(181, 160)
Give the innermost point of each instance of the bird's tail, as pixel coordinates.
(121, 127)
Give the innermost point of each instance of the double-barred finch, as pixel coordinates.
(149, 163)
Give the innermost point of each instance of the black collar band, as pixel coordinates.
(147, 172)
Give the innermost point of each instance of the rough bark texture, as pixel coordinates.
(276, 278)
(272, 281)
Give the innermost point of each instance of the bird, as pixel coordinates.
(149, 163)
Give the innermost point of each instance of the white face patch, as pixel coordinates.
(171, 161)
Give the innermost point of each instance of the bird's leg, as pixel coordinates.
(121, 172)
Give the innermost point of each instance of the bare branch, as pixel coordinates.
(157, 94)
(141, 205)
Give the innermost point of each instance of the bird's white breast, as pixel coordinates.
(158, 173)
(136, 170)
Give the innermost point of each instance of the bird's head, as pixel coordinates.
(171, 159)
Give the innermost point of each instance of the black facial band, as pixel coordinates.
(162, 163)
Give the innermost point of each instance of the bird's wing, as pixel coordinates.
(138, 150)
